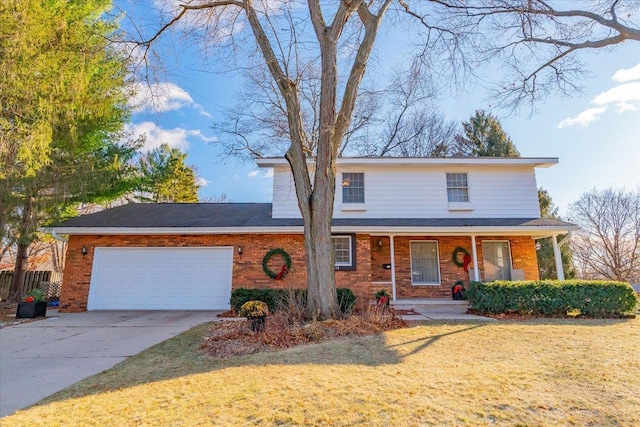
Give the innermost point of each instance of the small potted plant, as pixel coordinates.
(458, 292)
(33, 305)
(382, 297)
(256, 312)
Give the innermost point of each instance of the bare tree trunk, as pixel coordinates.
(17, 281)
(58, 255)
(22, 254)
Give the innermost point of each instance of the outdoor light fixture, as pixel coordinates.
(380, 243)
(538, 246)
(84, 251)
(239, 250)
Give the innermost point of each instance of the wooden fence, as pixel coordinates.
(32, 279)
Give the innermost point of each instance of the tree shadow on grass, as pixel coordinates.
(179, 357)
(429, 340)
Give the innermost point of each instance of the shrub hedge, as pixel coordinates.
(276, 298)
(596, 298)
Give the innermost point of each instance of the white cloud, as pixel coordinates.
(627, 92)
(623, 106)
(623, 75)
(625, 97)
(202, 137)
(162, 97)
(202, 182)
(583, 119)
(260, 173)
(155, 135)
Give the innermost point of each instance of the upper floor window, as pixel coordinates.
(457, 187)
(353, 188)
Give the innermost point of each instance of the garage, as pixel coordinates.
(184, 278)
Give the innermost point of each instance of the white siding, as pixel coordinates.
(421, 192)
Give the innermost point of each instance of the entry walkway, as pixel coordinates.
(425, 315)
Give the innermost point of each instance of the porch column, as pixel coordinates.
(558, 257)
(393, 268)
(474, 255)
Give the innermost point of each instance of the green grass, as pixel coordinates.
(537, 372)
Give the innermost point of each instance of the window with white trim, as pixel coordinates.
(425, 264)
(352, 187)
(344, 250)
(457, 187)
(496, 257)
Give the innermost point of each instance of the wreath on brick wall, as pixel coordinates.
(466, 258)
(285, 268)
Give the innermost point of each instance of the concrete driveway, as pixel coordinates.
(42, 357)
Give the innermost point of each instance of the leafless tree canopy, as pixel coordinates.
(537, 40)
(608, 243)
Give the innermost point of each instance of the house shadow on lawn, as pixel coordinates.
(179, 357)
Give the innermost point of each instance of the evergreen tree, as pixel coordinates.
(484, 137)
(63, 104)
(166, 177)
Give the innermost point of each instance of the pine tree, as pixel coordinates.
(484, 137)
(166, 177)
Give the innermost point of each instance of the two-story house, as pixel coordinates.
(410, 225)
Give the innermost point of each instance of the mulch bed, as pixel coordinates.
(229, 339)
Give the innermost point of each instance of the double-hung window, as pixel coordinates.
(344, 250)
(496, 257)
(457, 188)
(352, 187)
(425, 265)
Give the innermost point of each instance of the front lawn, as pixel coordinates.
(536, 372)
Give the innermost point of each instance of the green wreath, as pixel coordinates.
(455, 253)
(285, 268)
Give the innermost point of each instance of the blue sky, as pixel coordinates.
(596, 135)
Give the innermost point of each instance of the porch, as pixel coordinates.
(419, 269)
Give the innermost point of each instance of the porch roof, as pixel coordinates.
(227, 218)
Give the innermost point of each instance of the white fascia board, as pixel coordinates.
(378, 231)
(455, 231)
(173, 230)
(541, 162)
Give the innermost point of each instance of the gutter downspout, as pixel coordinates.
(54, 234)
(474, 255)
(393, 268)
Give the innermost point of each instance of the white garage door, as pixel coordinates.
(161, 278)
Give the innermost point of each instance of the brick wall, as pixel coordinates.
(247, 268)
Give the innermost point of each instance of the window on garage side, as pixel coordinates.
(425, 265)
(457, 187)
(344, 249)
(496, 257)
(353, 187)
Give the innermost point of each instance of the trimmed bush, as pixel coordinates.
(346, 299)
(242, 295)
(276, 298)
(596, 298)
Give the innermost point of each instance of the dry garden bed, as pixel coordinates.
(227, 339)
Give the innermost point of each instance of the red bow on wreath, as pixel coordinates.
(465, 262)
(283, 272)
